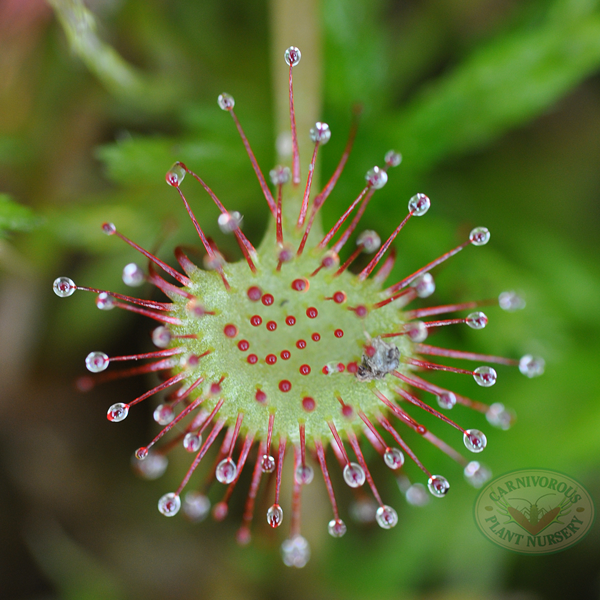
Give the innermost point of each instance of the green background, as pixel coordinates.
(495, 106)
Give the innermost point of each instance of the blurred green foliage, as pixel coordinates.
(495, 107)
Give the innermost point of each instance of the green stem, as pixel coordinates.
(297, 24)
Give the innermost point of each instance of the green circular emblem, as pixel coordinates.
(534, 511)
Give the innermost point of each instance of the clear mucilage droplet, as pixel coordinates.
(419, 204)
(424, 285)
(275, 515)
(393, 158)
(485, 376)
(393, 458)
(152, 467)
(292, 56)
(230, 221)
(192, 442)
(532, 366)
(336, 528)
(163, 414)
(479, 236)
(386, 517)
(354, 475)
(225, 101)
(104, 301)
(477, 320)
(109, 228)
(169, 504)
(304, 474)
(474, 440)
(280, 175)
(376, 178)
(438, 486)
(477, 474)
(161, 337)
(295, 552)
(499, 416)
(117, 412)
(320, 133)
(96, 362)
(133, 276)
(511, 301)
(416, 495)
(64, 287)
(446, 400)
(175, 175)
(267, 463)
(369, 240)
(226, 471)
(196, 506)
(141, 453)
(417, 331)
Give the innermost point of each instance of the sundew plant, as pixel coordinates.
(316, 337)
(291, 348)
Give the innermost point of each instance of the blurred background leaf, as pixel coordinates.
(495, 106)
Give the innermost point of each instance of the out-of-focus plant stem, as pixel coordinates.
(297, 25)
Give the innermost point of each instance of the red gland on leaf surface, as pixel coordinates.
(288, 353)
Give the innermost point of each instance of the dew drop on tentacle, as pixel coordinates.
(117, 412)
(161, 336)
(376, 178)
(438, 486)
(511, 301)
(104, 301)
(280, 175)
(175, 175)
(393, 158)
(304, 474)
(295, 552)
(336, 528)
(150, 468)
(354, 475)
(275, 515)
(416, 495)
(479, 236)
(446, 400)
(226, 471)
(292, 56)
(169, 504)
(532, 366)
(386, 517)
(393, 458)
(230, 221)
(474, 440)
(320, 133)
(267, 463)
(192, 441)
(96, 362)
(499, 416)
(142, 453)
(225, 101)
(196, 506)
(416, 331)
(369, 240)
(64, 287)
(477, 320)
(109, 228)
(485, 376)
(163, 414)
(133, 276)
(419, 204)
(477, 474)
(424, 285)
